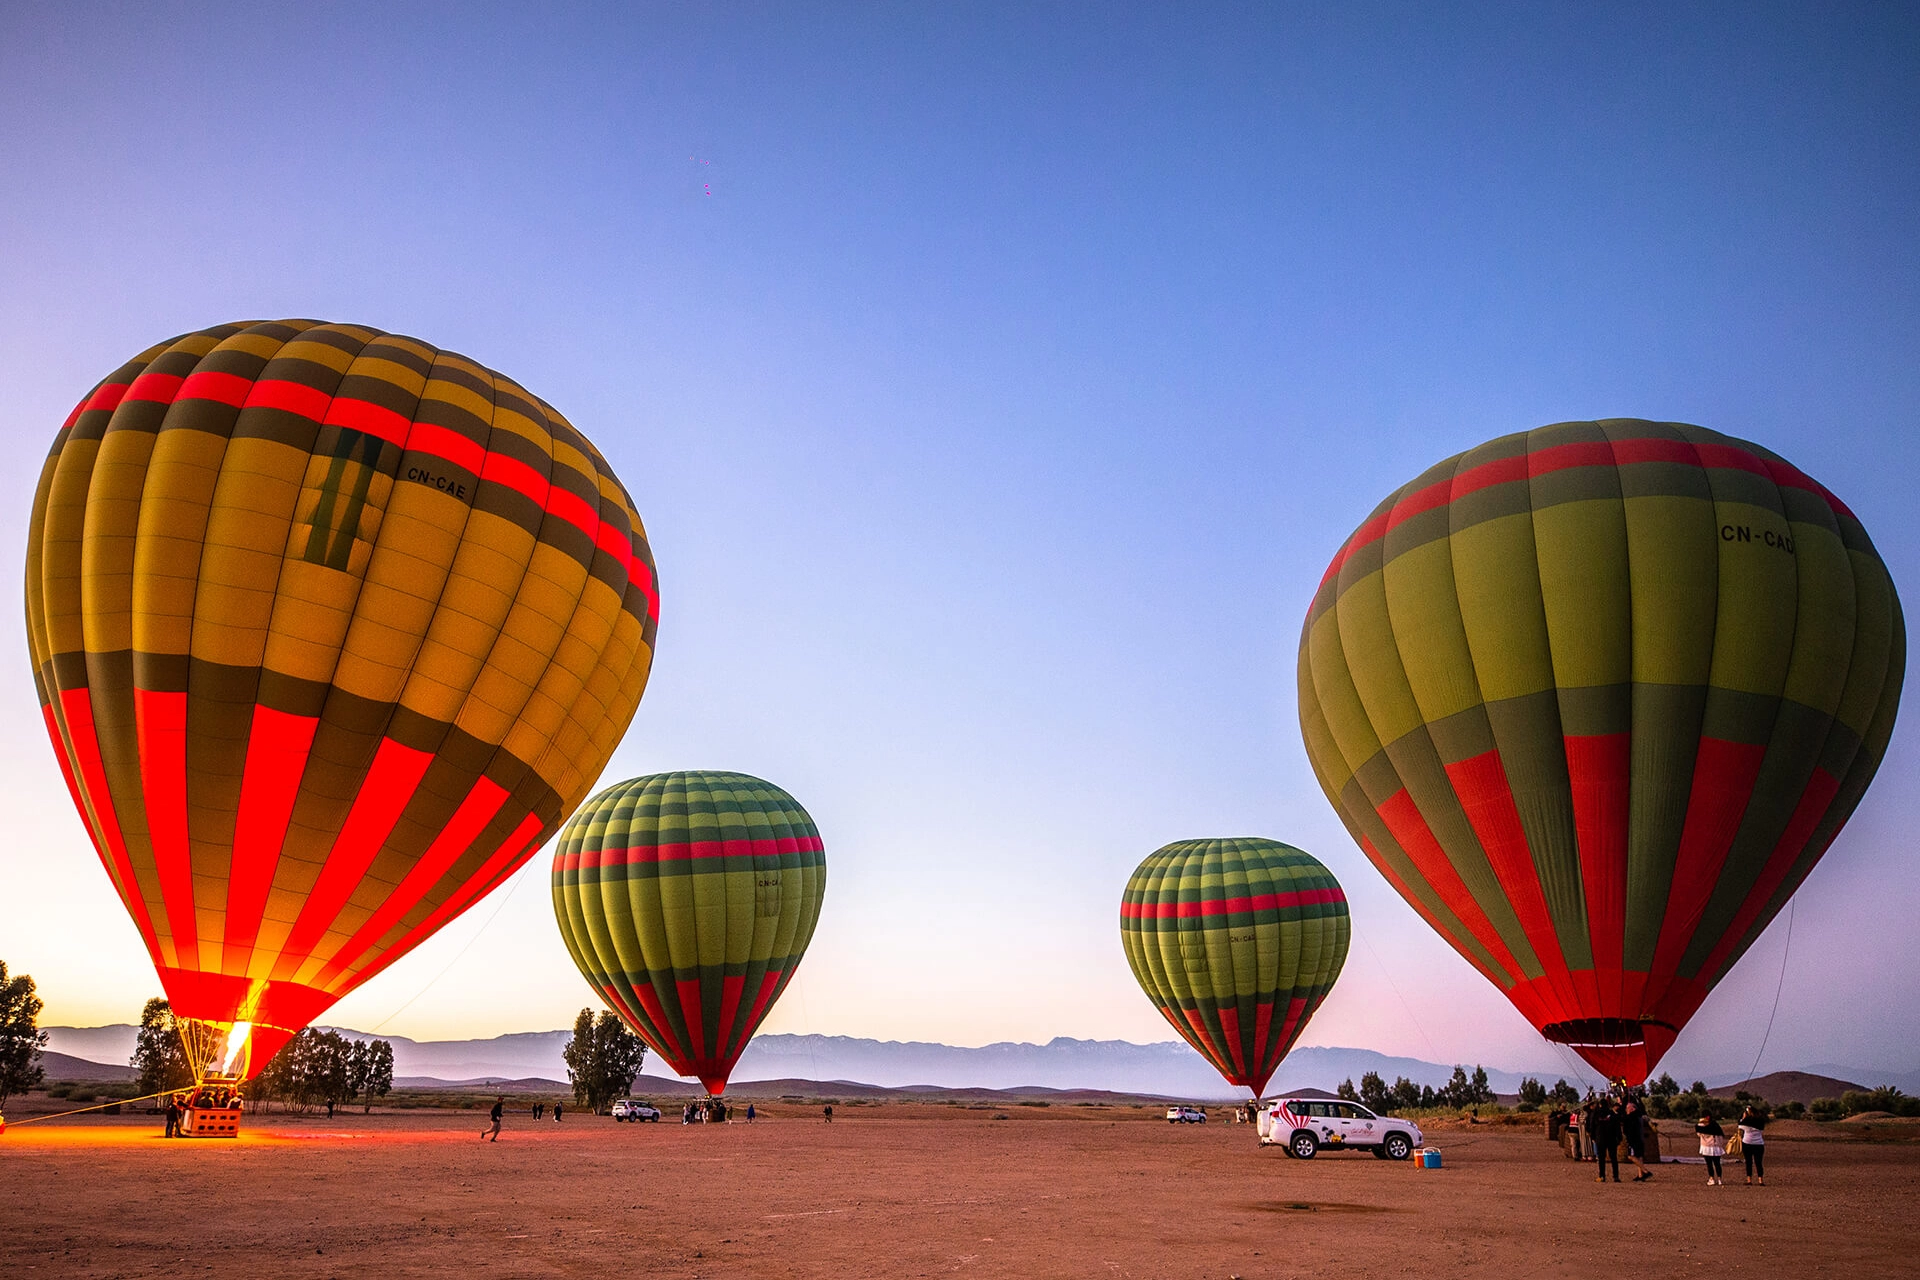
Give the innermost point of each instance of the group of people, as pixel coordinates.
(711, 1111)
(1604, 1124)
(1607, 1121)
(1752, 1141)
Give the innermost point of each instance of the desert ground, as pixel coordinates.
(916, 1189)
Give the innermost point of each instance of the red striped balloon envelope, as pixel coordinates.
(332, 629)
(1595, 699)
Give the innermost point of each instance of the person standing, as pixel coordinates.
(173, 1115)
(1753, 1144)
(827, 1111)
(1713, 1146)
(750, 1113)
(557, 1109)
(499, 1110)
(1633, 1128)
(1574, 1131)
(1603, 1131)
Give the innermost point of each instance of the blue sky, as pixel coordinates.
(995, 384)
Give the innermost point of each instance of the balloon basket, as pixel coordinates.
(213, 1111)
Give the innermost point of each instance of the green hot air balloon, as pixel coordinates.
(1595, 698)
(687, 900)
(1236, 942)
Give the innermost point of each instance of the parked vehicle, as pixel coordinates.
(1303, 1127)
(1186, 1115)
(635, 1110)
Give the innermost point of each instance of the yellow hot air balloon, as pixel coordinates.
(332, 629)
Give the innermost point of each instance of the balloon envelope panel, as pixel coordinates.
(687, 900)
(1236, 942)
(1595, 698)
(331, 630)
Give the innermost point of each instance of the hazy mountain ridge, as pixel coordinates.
(1164, 1069)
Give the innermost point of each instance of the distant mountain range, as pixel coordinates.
(1168, 1069)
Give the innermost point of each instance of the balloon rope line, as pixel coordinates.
(117, 1102)
(1776, 995)
(1366, 942)
(520, 878)
(1572, 1060)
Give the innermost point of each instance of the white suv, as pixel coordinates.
(1302, 1126)
(1186, 1115)
(635, 1110)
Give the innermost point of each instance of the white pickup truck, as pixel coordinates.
(1303, 1127)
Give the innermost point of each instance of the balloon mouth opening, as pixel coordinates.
(1601, 1033)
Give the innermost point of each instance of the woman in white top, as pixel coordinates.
(1753, 1145)
(1713, 1145)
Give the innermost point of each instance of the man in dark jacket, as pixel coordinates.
(1604, 1133)
(1633, 1123)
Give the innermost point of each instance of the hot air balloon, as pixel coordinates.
(687, 900)
(1236, 942)
(332, 629)
(1594, 699)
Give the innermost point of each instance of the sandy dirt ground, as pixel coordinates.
(915, 1190)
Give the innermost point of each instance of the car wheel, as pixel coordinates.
(1303, 1145)
(1397, 1146)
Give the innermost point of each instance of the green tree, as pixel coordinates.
(1429, 1097)
(1457, 1091)
(357, 1066)
(1564, 1094)
(158, 1056)
(1373, 1091)
(1347, 1091)
(1665, 1087)
(1480, 1093)
(326, 1064)
(602, 1059)
(21, 1038)
(379, 1072)
(1406, 1094)
(1532, 1092)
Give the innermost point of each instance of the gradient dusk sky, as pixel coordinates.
(996, 382)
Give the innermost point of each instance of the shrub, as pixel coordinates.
(1827, 1109)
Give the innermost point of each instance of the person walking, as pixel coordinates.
(1713, 1145)
(1603, 1131)
(1633, 1128)
(499, 1110)
(1753, 1144)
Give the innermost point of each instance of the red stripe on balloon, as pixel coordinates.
(1230, 1032)
(77, 708)
(1405, 890)
(1228, 906)
(1485, 794)
(511, 854)
(154, 388)
(691, 851)
(768, 984)
(1564, 457)
(1409, 827)
(221, 388)
(368, 418)
(277, 747)
(105, 398)
(288, 397)
(1724, 774)
(160, 729)
(455, 839)
(1599, 771)
(669, 1044)
(390, 783)
(1814, 801)
(688, 989)
(731, 986)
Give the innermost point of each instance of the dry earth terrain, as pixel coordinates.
(916, 1190)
